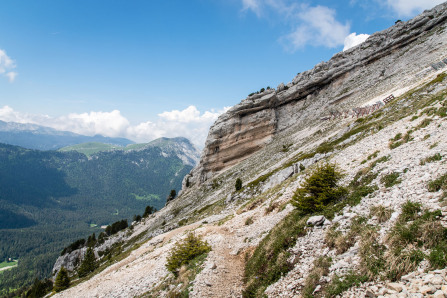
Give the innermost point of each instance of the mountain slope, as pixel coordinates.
(49, 198)
(34, 136)
(261, 244)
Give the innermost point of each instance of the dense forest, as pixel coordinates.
(48, 199)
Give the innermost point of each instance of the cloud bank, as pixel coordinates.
(310, 25)
(189, 123)
(6, 66)
(406, 8)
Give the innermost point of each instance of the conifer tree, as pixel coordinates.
(88, 264)
(62, 281)
(238, 184)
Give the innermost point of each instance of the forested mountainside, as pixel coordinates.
(39, 137)
(48, 198)
(335, 185)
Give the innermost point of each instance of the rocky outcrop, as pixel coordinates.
(393, 57)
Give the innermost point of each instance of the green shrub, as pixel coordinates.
(382, 213)
(442, 112)
(319, 189)
(410, 211)
(432, 158)
(185, 251)
(62, 281)
(249, 221)
(400, 263)
(424, 123)
(372, 261)
(397, 137)
(340, 284)
(238, 184)
(438, 184)
(391, 179)
(438, 256)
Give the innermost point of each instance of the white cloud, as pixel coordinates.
(311, 25)
(407, 8)
(11, 76)
(253, 5)
(6, 66)
(318, 27)
(189, 123)
(353, 39)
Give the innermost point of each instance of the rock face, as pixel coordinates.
(406, 50)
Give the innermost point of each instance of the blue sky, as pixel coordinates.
(151, 68)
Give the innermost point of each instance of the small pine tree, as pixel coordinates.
(238, 184)
(91, 241)
(148, 211)
(319, 189)
(185, 251)
(172, 195)
(62, 281)
(88, 264)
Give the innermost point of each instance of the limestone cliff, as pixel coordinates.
(371, 69)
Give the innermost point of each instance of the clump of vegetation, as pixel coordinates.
(380, 160)
(319, 189)
(438, 184)
(390, 179)
(438, 256)
(432, 158)
(116, 227)
(399, 139)
(381, 212)
(260, 91)
(185, 251)
(269, 261)
(339, 284)
(335, 238)
(424, 123)
(414, 230)
(371, 251)
(285, 148)
(410, 211)
(249, 221)
(62, 281)
(320, 269)
(148, 211)
(272, 206)
(238, 184)
(172, 195)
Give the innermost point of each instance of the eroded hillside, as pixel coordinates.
(389, 226)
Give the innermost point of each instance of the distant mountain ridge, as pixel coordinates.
(180, 147)
(33, 136)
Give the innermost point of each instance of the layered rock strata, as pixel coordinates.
(406, 50)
